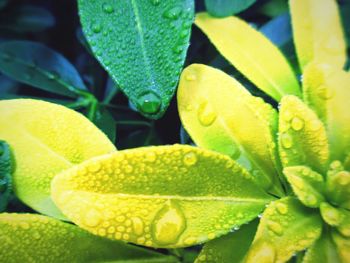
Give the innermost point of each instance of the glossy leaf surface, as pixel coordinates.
(225, 118)
(251, 53)
(338, 182)
(166, 196)
(41, 239)
(142, 44)
(343, 245)
(6, 169)
(46, 139)
(39, 66)
(317, 31)
(222, 8)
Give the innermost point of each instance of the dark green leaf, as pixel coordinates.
(105, 121)
(3, 3)
(111, 90)
(222, 8)
(6, 167)
(39, 66)
(278, 30)
(142, 44)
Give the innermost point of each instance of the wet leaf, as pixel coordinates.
(166, 196)
(226, 118)
(142, 44)
(338, 182)
(222, 8)
(6, 169)
(343, 245)
(105, 121)
(41, 239)
(46, 139)
(251, 53)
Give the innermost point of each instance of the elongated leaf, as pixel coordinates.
(37, 65)
(286, 227)
(343, 245)
(6, 169)
(222, 8)
(251, 53)
(302, 136)
(326, 90)
(318, 33)
(229, 248)
(142, 44)
(166, 196)
(46, 139)
(36, 238)
(323, 250)
(307, 185)
(221, 115)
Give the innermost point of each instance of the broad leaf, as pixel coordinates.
(318, 33)
(307, 184)
(322, 251)
(39, 66)
(142, 44)
(338, 182)
(46, 139)
(222, 8)
(166, 196)
(251, 53)
(302, 136)
(343, 245)
(41, 239)
(225, 118)
(6, 169)
(229, 248)
(326, 91)
(286, 227)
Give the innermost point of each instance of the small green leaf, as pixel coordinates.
(222, 8)
(286, 227)
(41, 239)
(37, 65)
(324, 92)
(307, 184)
(331, 215)
(229, 248)
(166, 196)
(226, 118)
(323, 250)
(343, 244)
(142, 44)
(302, 136)
(6, 169)
(46, 139)
(344, 226)
(338, 182)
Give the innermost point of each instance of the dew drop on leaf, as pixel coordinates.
(96, 27)
(92, 218)
(287, 141)
(190, 159)
(282, 208)
(206, 114)
(149, 103)
(297, 124)
(107, 8)
(155, 2)
(173, 13)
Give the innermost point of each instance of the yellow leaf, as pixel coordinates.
(221, 115)
(317, 31)
(251, 53)
(327, 91)
(166, 196)
(46, 139)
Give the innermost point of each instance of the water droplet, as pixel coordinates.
(190, 159)
(107, 8)
(173, 13)
(155, 2)
(149, 103)
(331, 215)
(211, 235)
(286, 140)
(343, 178)
(282, 208)
(275, 227)
(287, 115)
(262, 252)
(190, 77)
(310, 200)
(297, 124)
(325, 92)
(190, 241)
(92, 218)
(206, 114)
(137, 225)
(96, 27)
(168, 224)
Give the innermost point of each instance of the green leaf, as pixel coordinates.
(343, 244)
(251, 53)
(3, 3)
(105, 121)
(229, 248)
(41, 239)
(302, 136)
(225, 119)
(37, 65)
(323, 250)
(324, 92)
(307, 184)
(46, 139)
(338, 182)
(142, 44)
(335, 216)
(6, 169)
(318, 33)
(166, 196)
(286, 227)
(222, 8)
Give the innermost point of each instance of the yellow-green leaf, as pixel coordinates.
(338, 183)
(166, 196)
(286, 227)
(317, 31)
(343, 244)
(327, 91)
(46, 139)
(41, 239)
(251, 53)
(302, 136)
(221, 115)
